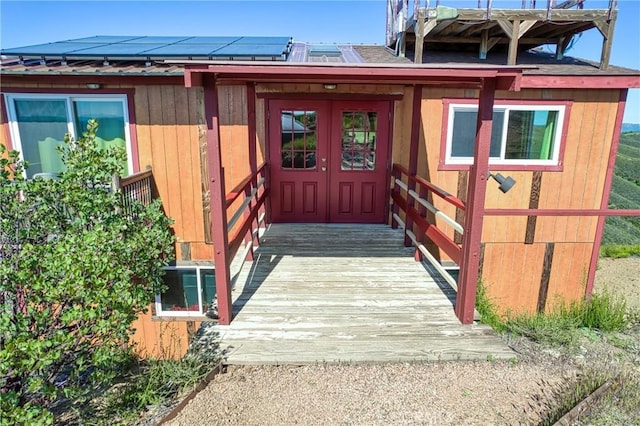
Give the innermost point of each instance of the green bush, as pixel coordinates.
(74, 274)
(617, 251)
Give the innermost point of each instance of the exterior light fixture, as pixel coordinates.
(330, 86)
(506, 183)
(93, 86)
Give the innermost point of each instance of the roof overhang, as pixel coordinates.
(506, 77)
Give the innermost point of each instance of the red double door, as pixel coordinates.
(329, 161)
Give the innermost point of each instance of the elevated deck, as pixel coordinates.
(345, 293)
(507, 29)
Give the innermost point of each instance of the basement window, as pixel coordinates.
(190, 291)
(522, 135)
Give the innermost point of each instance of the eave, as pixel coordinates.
(544, 81)
(507, 77)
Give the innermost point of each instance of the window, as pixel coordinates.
(38, 123)
(521, 134)
(191, 291)
(298, 140)
(359, 140)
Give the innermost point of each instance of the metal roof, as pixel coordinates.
(150, 48)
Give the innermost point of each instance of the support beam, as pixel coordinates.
(606, 29)
(474, 212)
(253, 160)
(414, 146)
(608, 182)
(561, 46)
(419, 32)
(218, 202)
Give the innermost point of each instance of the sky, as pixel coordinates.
(26, 22)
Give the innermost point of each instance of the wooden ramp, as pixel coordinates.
(345, 293)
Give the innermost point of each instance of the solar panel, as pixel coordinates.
(158, 40)
(120, 49)
(105, 39)
(211, 40)
(250, 50)
(283, 41)
(185, 50)
(152, 47)
(53, 49)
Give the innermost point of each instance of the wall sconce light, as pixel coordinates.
(330, 86)
(506, 183)
(93, 86)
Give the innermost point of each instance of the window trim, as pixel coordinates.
(123, 95)
(159, 312)
(563, 106)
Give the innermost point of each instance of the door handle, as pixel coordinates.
(324, 160)
(324, 169)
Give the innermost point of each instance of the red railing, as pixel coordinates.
(247, 217)
(405, 197)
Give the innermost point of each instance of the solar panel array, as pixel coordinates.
(156, 48)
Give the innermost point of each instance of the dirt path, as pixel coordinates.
(621, 277)
(419, 393)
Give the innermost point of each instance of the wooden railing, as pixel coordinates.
(248, 216)
(404, 197)
(137, 187)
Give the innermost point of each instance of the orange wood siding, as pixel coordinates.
(511, 269)
(162, 339)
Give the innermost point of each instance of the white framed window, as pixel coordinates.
(39, 122)
(522, 135)
(190, 291)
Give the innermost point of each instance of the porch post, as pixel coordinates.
(474, 212)
(218, 202)
(253, 161)
(413, 155)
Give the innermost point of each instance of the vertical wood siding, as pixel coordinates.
(512, 270)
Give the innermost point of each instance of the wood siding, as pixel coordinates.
(512, 270)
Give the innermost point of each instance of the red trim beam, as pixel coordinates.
(506, 77)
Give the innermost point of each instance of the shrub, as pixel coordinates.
(74, 274)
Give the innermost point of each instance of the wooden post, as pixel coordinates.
(513, 44)
(608, 181)
(474, 212)
(218, 202)
(253, 158)
(606, 29)
(413, 153)
(419, 30)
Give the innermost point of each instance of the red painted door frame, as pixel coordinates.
(326, 193)
(298, 194)
(360, 196)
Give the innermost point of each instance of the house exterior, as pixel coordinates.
(341, 133)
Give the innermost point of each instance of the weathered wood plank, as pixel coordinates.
(345, 293)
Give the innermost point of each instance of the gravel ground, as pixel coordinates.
(431, 394)
(467, 393)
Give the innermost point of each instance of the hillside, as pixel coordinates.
(625, 193)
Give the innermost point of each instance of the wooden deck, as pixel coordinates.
(345, 293)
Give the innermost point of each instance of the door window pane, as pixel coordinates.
(359, 140)
(42, 124)
(298, 149)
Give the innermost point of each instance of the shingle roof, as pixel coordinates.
(545, 64)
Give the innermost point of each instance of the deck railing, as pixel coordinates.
(245, 221)
(137, 187)
(404, 197)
